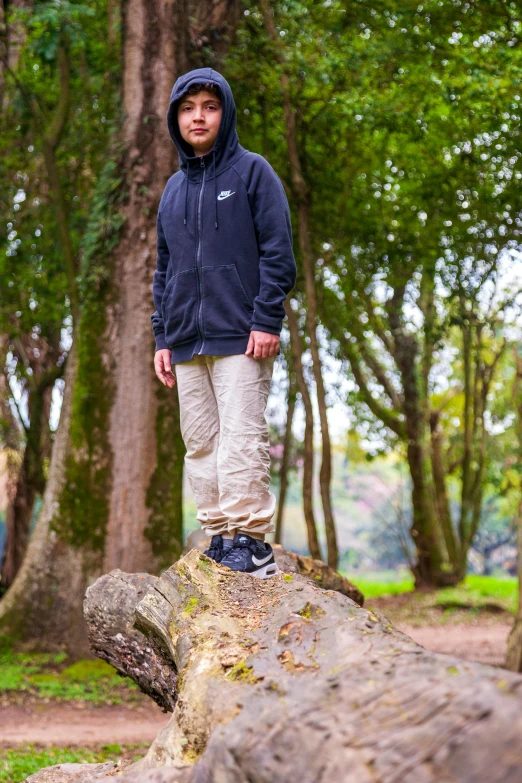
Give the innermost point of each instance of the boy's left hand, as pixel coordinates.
(262, 345)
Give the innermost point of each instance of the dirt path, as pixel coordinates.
(486, 644)
(71, 724)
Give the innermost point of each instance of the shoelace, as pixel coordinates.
(236, 553)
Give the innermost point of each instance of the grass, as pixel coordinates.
(481, 591)
(475, 589)
(16, 764)
(383, 583)
(477, 596)
(48, 676)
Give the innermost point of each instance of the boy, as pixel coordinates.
(224, 268)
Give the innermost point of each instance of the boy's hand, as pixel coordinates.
(262, 345)
(163, 368)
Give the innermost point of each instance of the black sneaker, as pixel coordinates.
(219, 546)
(251, 556)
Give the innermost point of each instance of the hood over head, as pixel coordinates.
(227, 139)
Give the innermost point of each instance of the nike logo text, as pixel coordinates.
(225, 194)
(261, 562)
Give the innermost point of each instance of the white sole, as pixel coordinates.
(266, 572)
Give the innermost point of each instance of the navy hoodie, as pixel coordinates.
(224, 254)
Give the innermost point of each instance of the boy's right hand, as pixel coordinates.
(163, 368)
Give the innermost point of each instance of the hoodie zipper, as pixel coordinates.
(198, 256)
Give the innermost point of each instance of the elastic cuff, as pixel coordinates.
(161, 343)
(263, 328)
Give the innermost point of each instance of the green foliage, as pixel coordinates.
(43, 676)
(35, 300)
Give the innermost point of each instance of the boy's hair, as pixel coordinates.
(207, 87)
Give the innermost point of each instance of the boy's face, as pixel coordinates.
(199, 117)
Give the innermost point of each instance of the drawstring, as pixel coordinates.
(215, 185)
(186, 192)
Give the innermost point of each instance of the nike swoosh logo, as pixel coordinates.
(261, 562)
(222, 198)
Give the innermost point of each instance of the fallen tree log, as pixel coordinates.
(282, 681)
(109, 610)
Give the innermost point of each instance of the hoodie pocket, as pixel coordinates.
(179, 307)
(227, 310)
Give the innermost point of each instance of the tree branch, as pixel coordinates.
(380, 411)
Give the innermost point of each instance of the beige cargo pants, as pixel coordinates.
(222, 412)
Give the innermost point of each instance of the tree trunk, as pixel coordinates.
(300, 194)
(43, 603)
(115, 498)
(30, 480)
(17, 525)
(308, 456)
(441, 493)
(12, 449)
(514, 651)
(428, 568)
(285, 460)
(278, 680)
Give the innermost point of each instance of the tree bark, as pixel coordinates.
(12, 449)
(285, 460)
(428, 568)
(115, 498)
(44, 600)
(278, 680)
(514, 651)
(300, 193)
(441, 494)
(308, 456)
(30, 480)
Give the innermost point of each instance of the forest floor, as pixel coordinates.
(53, 711)
(471, 634)
(471, 621)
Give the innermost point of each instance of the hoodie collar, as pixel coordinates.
(227, 141)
